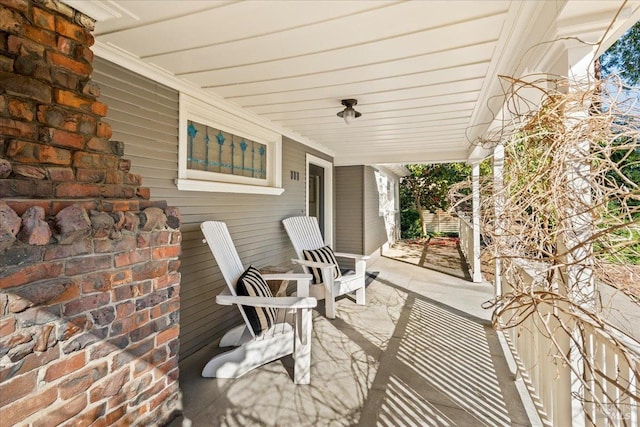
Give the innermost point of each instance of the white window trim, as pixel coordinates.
(328, 194)
(193, 180)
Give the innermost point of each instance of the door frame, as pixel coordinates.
(328, 194)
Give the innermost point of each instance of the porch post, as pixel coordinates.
(498, 209)
(578, 275)
(475, 188)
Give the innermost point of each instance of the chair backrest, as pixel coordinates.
(219, 240)
(304, 233)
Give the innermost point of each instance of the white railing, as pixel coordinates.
(465, 233)
(557, 391)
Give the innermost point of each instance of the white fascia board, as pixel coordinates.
(133, 63)
(522, 29)
(451, 156)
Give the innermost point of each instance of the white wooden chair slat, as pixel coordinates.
(304, 234)
(279, 340)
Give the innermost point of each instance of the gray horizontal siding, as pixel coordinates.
(349, 205)
(144, 114)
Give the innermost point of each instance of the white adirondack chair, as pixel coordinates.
(279, 340)
(304, 234)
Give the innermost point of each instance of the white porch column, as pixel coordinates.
(475, 188)
(498, 208)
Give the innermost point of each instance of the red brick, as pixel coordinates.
(21, 110)
(25, 47)
(166, 252)
(144, 193)
(26, 188)
(19, 5)
(104, 130)
(82, 190)
(60, 174)
(100, 144)
(94, 161)
(64, 79)
(167, 335)
(17, 388)
(90, 175)
(86, 303)
(149, 270)
(58, 205)
(121, 277)
(88, 417)
(124, 165)
(127, 243)
(7, 326)
(130, 205)
(69, 64)
(73, 31)
(18, 411)
(31, 362)
(170, 279)
(15, 128)
(129, 291)
(79, 382)
(21, 205)
(66, 251)
(43, 19)
(99, 109)
(65, 366)
(113, 177)
(111, 386)
(132, 257)
(66, 139)
(116, 414)
(98, 282)
(125, 309)
(65, 45)
(70, 99)
(161, 398)
(160, 238)
(57, 416)
(132, 179)
(27, 274)
(11, 21)
(88, 264)
(39, 35)
(28, 152)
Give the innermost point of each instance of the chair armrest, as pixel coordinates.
(354, 256)
(312, 263)
(283, 302)
(287, 276)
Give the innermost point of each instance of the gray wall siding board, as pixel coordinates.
(144, 115)
(349, 209)
(375, 234)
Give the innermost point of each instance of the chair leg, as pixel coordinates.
(360, 299)
(330, 306)
(302, 352)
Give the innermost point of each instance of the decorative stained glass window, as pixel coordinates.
(213, 150)
(221, 151)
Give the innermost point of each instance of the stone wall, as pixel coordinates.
(89, 282)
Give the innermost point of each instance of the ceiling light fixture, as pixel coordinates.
(348, 114)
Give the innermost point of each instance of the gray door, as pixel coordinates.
(316, 194)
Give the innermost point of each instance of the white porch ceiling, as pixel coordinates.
(423, 72)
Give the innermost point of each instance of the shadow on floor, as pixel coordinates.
(441, 254)
(403, 359)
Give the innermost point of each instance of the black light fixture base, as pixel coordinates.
(349, 103)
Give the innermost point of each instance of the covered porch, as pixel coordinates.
(421, 352)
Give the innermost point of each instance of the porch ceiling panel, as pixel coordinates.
(422, 71)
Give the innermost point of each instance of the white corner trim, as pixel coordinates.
(328, 194)
(225, 187)
(134, 63)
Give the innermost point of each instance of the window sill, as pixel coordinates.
(226, 187)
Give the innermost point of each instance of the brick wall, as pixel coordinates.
(89, 282)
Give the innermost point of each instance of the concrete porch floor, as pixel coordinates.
(420, 353)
